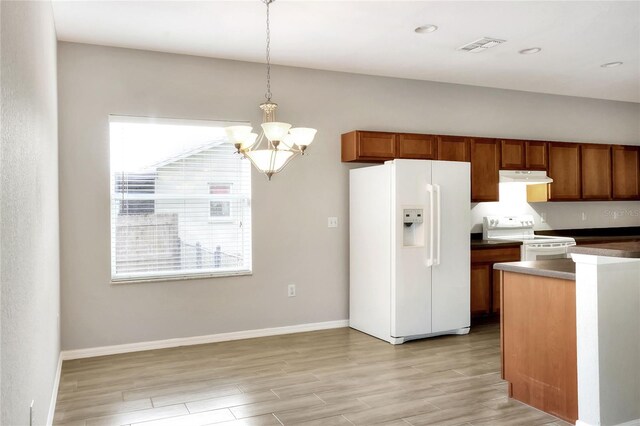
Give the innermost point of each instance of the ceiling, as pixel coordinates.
(378, 38)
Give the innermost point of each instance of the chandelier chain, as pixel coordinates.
(268, 54)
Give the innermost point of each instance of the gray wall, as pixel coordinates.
(292, 243)
(29, 245)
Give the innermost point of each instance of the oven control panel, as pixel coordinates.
(508, 222)
(508, 226)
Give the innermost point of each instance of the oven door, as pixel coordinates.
(544, 251)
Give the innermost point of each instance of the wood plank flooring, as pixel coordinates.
(332, 377)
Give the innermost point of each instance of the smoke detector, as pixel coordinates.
(481, 44)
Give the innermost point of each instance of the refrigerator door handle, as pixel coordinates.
(436, 258)
(430, 190)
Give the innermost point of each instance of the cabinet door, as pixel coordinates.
(512, 154)
(495, 294)
(421, 147)
(453, 148)
(626, 172)
(536, 155)
(376, 145)
(371, 147)
(480, 289)
(485, 170)
(564, 169)
(596, 172)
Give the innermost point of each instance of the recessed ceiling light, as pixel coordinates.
(530, 51)
(426, 29)
(611, 64)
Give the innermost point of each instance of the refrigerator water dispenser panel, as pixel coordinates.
(412, 216)
(413, 220)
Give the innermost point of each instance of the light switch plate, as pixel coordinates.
(332, 222)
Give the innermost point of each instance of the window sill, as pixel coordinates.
(180, 277)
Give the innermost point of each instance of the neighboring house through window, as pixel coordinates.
(220, 209)
(180, 201)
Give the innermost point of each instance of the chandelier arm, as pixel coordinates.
(286, 163)
(259, 141)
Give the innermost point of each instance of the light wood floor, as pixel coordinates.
(332, 377)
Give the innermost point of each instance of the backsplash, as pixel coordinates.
(557, 215)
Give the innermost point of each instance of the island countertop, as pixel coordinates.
(628, 249)
(564, 269)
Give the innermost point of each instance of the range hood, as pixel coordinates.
(529, 177)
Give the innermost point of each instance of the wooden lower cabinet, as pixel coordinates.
(538, 341)
(480, 289)
(485, 282)
(495, 287)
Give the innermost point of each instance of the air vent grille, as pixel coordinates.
(481, 44)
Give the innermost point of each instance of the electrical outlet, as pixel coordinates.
(543, 217)
(332, 222)
(584, 216)
(292, 290)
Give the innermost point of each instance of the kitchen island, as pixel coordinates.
(570, 333)
(608, 333)
(538, 334)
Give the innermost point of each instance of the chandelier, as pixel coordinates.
(278, 143)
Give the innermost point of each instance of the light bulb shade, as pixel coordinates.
(269, 161)
(249, 140)
(237, 134)
(275, 131)
(302, 136)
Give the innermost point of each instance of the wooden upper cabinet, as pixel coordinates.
(536, 155)
(596, 171)
(485, 169)
(523, 155)
(564, 169)
(513, 154)
(626, 172)
(374, 147)
(421, 147)
(453, 148)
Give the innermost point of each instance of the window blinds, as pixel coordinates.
(180, 201)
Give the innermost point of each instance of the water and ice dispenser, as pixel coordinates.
(413, 220)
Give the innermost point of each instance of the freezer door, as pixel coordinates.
(410, 270)
(450, 285)
(370, 250)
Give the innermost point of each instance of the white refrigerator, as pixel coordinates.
(409, 249)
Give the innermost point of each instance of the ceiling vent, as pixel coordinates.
(481, 45)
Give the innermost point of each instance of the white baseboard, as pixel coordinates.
(635, 422)
(199, 340)
(54, 392)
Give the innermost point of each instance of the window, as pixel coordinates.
(180, 201)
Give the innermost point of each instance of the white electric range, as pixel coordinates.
(520, 228)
